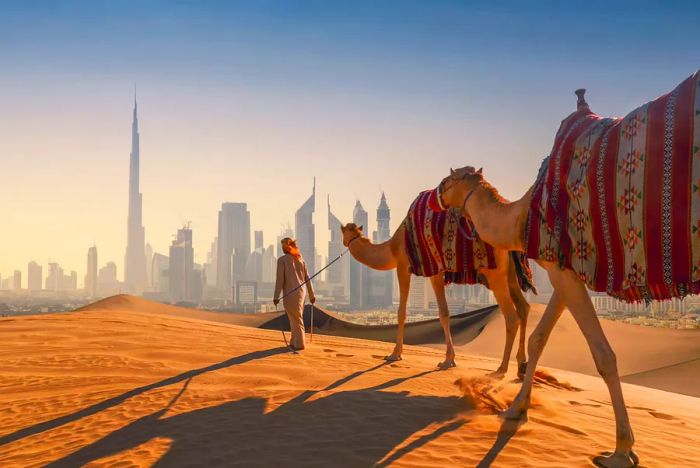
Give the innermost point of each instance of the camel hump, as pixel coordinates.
(581, 103)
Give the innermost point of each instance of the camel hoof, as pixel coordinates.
(514, 414)
(497, 374)
(392, 358)
(447, 364)
(616, 460)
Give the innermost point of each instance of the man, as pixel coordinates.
(291, 274)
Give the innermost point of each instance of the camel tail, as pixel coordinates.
(523, 272)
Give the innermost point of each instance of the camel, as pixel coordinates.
(501, 280)
(502, 224)
(614, 208)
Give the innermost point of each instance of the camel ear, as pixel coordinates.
(360, 228)
(480, 170)
(342, 228)
(452, 172)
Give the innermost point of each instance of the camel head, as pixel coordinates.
(350, 231)
(455, 187)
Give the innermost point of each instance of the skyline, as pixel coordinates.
(230, 99)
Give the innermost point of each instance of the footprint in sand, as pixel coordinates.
(344, 355)
(664, 416)
(329, 350)
(578, 403)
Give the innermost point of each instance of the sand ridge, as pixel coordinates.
(123, 388)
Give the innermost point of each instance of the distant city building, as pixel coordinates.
(247, 294)
(54, 280)
(286, 232)
(34, 276)
(159, 273)
(107, 282)
(259, 240)
(233, 245)
(359, 273)
(210, 265)
(181, 275)
(381, 283)
(149, 264)
(269, 265)
(91, 276)
(135, 257)
(420, 294)
(254, 266)
(72, 279)
(305, 231)
(16, 281)
(337, 276)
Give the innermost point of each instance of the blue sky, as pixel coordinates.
(246, 101)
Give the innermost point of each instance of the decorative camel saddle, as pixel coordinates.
(435, 243)
(618, 200)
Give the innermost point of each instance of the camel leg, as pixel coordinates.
(522, 308)
(499, 286)
(579, 303)
(404, 276)
(438, 283)
(535, 347)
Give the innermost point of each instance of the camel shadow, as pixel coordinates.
(352, 428)
(117, 400)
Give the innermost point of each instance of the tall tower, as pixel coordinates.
(337, 276)
(381, 282)
(359, 273)
(305, 231)
(91, 276)
(233, 246)
(135, 258)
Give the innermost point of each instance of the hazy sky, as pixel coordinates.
(247, 101)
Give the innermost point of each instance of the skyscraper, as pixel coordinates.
(337, 276)
(358, 272)
(233, 246)
(259, 240)
(286, 232)
(381, 282)
(181, 267)
(135, 258)
(305, 231)
(34, 273)
(91, 276)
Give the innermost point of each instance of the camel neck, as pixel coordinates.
(499, 222)
(375, 256)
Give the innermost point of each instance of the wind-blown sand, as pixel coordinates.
(654, 357)
(121, 388)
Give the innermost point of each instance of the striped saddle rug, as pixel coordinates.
(435, 244)
(618, 199)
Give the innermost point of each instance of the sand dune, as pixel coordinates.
(654, 357)
(121, 387)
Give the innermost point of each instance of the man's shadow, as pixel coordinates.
(350, 428)
(117, 400)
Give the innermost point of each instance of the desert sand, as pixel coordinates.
(654, 357)
(122, 387)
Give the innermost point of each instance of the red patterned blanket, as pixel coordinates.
(618, 200)
(435, 244)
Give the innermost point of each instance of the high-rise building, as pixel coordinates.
(107, 283)
(337, 276)
(34, 276)
(359, 273)
(381, 283)
(259, 240)
(91, 276)
(269, 265)
(54, 280)
(306, 232)
(181, 267)
(286, 232)
(72, 281)
(233, 246)
(16, 281)
(210, 265)
(159, 271)
(135, 258)
(149, 264)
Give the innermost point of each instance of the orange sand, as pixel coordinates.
(654, 357)
(120, 387)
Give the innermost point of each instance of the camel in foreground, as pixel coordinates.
(502, 281)
(615, 207)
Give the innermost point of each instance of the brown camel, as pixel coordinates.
(501, 280)
(502, 224)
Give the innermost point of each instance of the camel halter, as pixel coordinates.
(470, 236)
